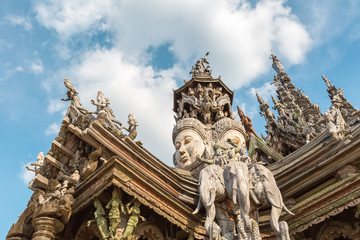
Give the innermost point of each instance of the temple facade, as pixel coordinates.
(301, 181)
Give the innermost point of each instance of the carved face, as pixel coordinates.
(235, 136)
(188, 145)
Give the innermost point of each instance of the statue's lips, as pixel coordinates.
(184, 159)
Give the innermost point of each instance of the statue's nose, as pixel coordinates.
(182, 150)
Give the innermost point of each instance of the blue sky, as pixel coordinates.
(136, 52)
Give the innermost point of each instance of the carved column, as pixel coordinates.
(46, 228)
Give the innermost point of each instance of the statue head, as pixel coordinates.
(227, 130)
(97, 203)
(40, 157)
(137, 203)
(100, 96)
(116, 194)
(231, 153)
(189, 140)
(188, 145)
(67, 83)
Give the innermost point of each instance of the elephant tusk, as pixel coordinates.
(212, 198)
(272, 202)
(197, 207)
(288, 211)
(254, 198)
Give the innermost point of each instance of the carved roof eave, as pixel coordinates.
(201, 79)
(157, 185)
(315, 162)
(259, 145)
(321, 204)
(118, 172)
(325, 203)
(97, 135)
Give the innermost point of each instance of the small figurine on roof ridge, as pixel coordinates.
(104, 112)
(75, 109)
(37, 165)
(277, 65)
(132, 126)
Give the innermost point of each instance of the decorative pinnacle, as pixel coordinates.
(277, 65)
(200, 68)
(260, 100)
(327, 82)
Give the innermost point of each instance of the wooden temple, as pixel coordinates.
(98, 183)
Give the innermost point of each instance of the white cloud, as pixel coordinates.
(19, 69)
(337, 15)
(239, 37)
(10, 72)
(56, 105)
(36, 66)
(20, 20)
(53, 129)
(250, 111)
(131, 89)
(70, 17)
(265, 91)
(25, 174)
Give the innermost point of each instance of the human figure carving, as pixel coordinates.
(73, 179)
(71, 90)
(200, 66)
(37, 165)
(133, 220)
(335, 122)
(264, 110)
(103, 110)
(114, 213)
(247, 122)
(75, 109)
(100, 220)
(132, 126)
(56, 194)
(277, 65)
(188, 145)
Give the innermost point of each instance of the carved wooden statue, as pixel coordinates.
(133, 220)
(247, 122)
(114, 213)
(100, 220)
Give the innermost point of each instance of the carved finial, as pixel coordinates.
(200, 68)
(260, 100)
(277, 65)
(327, 82)
(273, 99)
